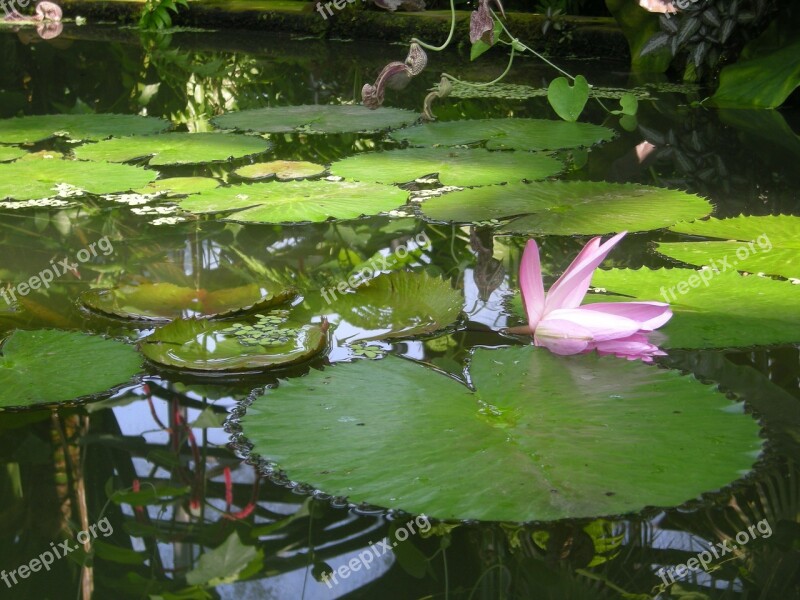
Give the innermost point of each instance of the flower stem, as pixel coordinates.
(531, 50)
(478, 85)
(449, 37)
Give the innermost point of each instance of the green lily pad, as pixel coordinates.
(768, 244)
(27, 130)
(46, 366)
(9, 153)
(167, 301)
(297, 201)
(175, 148)
(315, 119)
(731, 310)
(181, 186)
(213, 346)
(396, 305)
(569, 207)
(516, 134)
(543, 437)
(462, 166)
(283, 170)
(30, 180)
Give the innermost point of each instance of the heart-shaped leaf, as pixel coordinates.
(568, 100)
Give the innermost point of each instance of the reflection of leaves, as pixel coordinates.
(227, 563)
(150, 494)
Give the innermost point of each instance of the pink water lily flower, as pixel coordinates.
(558, 322)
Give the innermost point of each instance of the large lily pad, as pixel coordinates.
(396, 305)
(297, 201)
(517, 134)
(283, 170)
(244, 345)
(38, 367)
(167, 301)
(768, 244)
(462, 166)
(315, 119)
(175, 148)
(9, 153)
(27, 130)
(30, 180)
(543, 437)
(569, 207)
(730, 310)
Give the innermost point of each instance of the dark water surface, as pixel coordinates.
(743, 163)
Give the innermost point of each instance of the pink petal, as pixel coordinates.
(530, 283)
(601, 326)
(649, 315)
(633, 348)
(562, 337)
(571, 287)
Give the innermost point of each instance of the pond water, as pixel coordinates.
(180, 507)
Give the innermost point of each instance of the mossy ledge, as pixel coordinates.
(586, 36)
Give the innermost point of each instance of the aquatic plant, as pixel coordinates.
(486, 30)
(558, 322)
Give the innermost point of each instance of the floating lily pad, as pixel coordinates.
(9, 153)
(462, 166)
(297, 201)
(39, 367)
(167, 301)
(283, 170)
(399, 304)
(204, 345)
(180, 186)
(768, 244)
(175, 148)
(29, 180)
(513, 91)
(27, 130)
(516, 134)
(543, 437)
(569, 207)
(730, 311)
(315, 119)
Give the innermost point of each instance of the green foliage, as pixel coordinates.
(49, 366)
(155, 14)
(568, 100)
(553, 434)
(568, 207)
